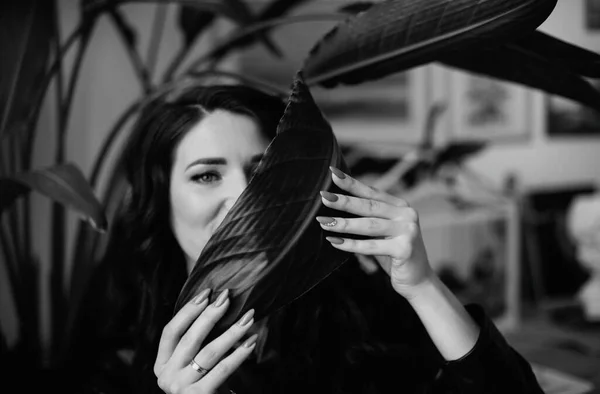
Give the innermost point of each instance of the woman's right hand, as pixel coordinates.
(183, 364)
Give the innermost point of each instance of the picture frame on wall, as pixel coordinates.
(388, 110)
(488, 109)
(592, 15)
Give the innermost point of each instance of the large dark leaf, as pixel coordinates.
(270, 250)
(520, 62)
(62, 183)
(394, 36)
(25, 38)
(572, 57)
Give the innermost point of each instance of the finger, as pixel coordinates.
(367, 207)
(374, 227)
(219, 374)
(359, 189)
(213, 352)
(399, 248)
(190, 342)
(178, 325)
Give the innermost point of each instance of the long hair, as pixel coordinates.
(148, 159)
(132, 294)
(349, 327)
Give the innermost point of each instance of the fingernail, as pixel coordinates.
(222, 297)
(326, 221)
(246, 318)
(201, 297)
(250, 342)
(329, 196)
(337, 173)
(335, 240)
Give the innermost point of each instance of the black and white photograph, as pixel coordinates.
(300, 196)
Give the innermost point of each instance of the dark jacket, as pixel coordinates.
(350, 334)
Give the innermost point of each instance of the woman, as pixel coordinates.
(398, 329)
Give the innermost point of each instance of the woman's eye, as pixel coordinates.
(206, 177)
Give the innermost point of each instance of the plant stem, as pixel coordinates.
(24, 292)
(59, 300)
(3, 159)
(33, 115)
(109, 140)
(13, 212)
(57, 218)
(59, 80)
(257, 27)
(11, 259)
(136, 61)
(178, 59)
(175, 62)
(158, 28)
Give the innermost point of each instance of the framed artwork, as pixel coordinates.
(566, 118)
(487, 109)
(592, 15)
(389, 110)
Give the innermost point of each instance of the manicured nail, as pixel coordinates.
(246, 318)
(201, 297)
(250, 342)
(222, 297)
(329, 196)
(326, 221)
(335, 240)
(337, 173)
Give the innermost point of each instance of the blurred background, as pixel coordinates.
(505, 177)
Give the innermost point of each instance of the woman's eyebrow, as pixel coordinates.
(208, 161)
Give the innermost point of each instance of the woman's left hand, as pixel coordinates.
(396, 241)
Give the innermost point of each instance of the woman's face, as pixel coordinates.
(212, 165)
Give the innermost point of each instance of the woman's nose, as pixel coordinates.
(235, 186)
(232, 189)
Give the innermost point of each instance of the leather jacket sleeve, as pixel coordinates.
(492, 366)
